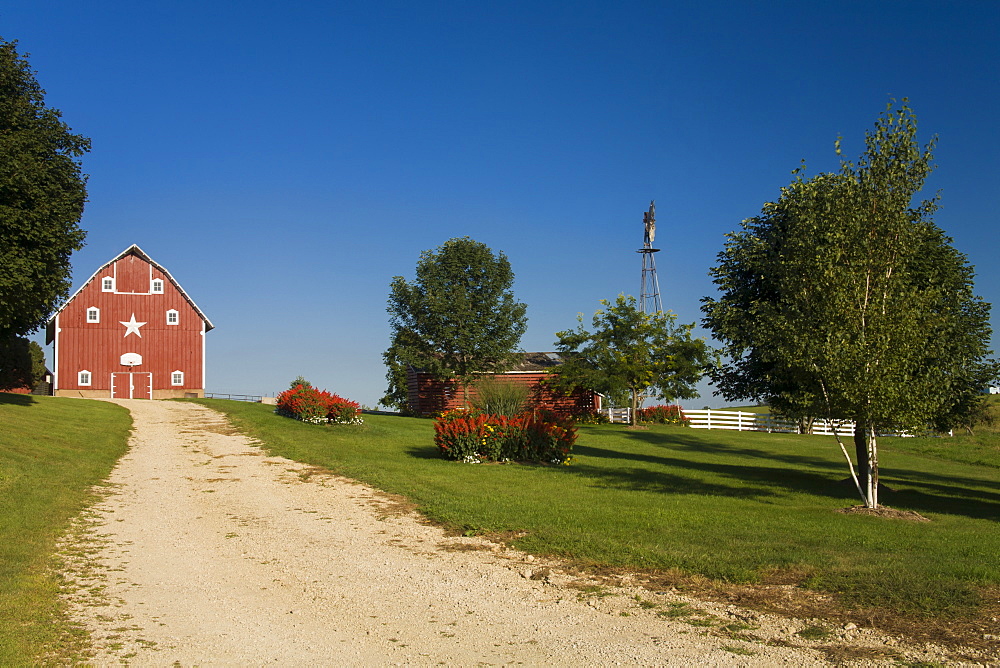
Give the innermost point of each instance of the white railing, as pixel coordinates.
(618, 415)
(745, 421)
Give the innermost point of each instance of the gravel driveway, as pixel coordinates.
(206, 551)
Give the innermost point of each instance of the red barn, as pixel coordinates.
(130, 332)
(426, 395)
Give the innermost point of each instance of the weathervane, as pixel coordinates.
(649, 294)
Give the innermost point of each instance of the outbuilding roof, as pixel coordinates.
(537, 362)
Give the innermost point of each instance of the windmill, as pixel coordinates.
(649, 294)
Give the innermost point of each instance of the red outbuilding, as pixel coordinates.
(130, 332)
(427, 395)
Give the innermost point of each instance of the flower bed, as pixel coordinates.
(671, 414)
(476, 437)
(308, 404)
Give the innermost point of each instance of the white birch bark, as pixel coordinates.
(872, 468)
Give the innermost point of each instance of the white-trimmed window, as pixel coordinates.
(107, 284)
(83, 378)
(157, 287)
(173, 317)
(176, 378)
(93, 314)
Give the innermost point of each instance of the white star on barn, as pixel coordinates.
(132, 327)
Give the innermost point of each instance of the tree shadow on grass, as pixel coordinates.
(665, 474)
(687, 443)
(11, 399)
(428, 452)
(760, 474)
(963, 485)
(929, 493)
(647, 480)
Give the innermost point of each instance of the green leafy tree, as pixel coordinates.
(457, 320)
(631, 354)
(42, 194)
(843, 299)
(396, 394)
(22, 363)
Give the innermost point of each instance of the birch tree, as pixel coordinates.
(843, 299)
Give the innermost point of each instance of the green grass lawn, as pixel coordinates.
(736, 507)
(51, 452)
(981, 448)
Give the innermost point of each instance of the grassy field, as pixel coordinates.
(679, 504)
(51, 452)
(981, 448)
(734, 507)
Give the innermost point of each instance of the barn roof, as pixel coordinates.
(135, 250)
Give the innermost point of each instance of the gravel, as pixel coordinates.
(206, 551)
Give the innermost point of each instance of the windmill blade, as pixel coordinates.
(649, 218)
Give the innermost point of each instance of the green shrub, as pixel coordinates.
(671, 414)
(591, 417)
(495, 396)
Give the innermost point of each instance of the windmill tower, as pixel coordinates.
(649, 294)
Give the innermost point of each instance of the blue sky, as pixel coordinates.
(285, 160)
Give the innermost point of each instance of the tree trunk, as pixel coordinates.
(861, 454)
(634, 418)
(866, 450)
(873, 468)
(805, 425)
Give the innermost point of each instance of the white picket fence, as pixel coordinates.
(618, 415)
(744, 421)
(739, 421)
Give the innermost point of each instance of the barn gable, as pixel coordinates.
(130, 331)
(108, 269)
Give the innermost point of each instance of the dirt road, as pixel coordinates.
(208, 552)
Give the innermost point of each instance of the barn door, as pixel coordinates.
(127, 385)
(142, 385)
(121, 386)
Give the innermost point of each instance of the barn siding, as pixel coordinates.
(131, 274)
(98, 347)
